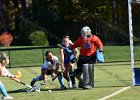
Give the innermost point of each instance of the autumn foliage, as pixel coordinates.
(6, 39)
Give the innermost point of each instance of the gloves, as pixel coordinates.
(100, 50)
(11, 76)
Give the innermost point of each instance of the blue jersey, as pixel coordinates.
(68, 55)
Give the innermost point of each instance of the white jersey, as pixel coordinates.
(47, 64)
(5, 72)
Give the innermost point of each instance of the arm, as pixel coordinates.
(77, 43)
(76, 53)
(6, 73)
(98, 43)
(62, 59)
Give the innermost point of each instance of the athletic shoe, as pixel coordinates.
(63, 87)
(73, 86)
(91, 87)
(87, 87)
(80, 85)
(7, 98)
(32, 82)
(70, 84)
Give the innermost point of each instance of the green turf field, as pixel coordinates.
(109, 77)
(34, 56)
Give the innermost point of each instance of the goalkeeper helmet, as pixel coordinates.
(85, 32)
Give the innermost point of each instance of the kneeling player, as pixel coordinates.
(50, 66)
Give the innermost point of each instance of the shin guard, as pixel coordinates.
(85, 75)
(61, 81)
(37, 78)
(91, 74)
(88, 75)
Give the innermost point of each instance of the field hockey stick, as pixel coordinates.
(13, 77)
(60, 46)
(35, 73)
(28, 86)
(37, 86)
(56, 76)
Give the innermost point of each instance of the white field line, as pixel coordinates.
(115, 93)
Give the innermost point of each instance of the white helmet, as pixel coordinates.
(86, 32)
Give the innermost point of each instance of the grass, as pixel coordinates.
(35, 56)
(109, 77)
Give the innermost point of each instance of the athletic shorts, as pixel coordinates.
(49, 72)
(85, 60)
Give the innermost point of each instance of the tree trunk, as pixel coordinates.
(23, 7)
(3, 18)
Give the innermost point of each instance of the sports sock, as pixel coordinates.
(37, 78)
(3, 90)
(61, 81)
(72, 79)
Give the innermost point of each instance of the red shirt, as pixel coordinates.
(88, 46)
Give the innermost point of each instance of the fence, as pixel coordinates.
(23, 58)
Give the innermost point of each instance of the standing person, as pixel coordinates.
(68, 57)
(50, 66)
(85, 64)
(4, 61)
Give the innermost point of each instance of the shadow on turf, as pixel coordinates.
(18, 91)
(56, 89)
(25, 90)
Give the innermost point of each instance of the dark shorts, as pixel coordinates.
(67, 60)
(85, 60)
(49, 72)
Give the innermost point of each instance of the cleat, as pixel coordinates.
(63, 87)
(7, 98)
(87, 87)
(70, 84)
(74, 86)
(80, 85)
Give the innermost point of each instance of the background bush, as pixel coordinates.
(6, 39)
(38, 38)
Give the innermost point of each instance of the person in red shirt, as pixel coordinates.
(88, 44)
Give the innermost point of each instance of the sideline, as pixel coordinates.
(115, 93)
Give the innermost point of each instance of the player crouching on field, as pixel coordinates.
(50, 66)
(85, 64)
(4, 61)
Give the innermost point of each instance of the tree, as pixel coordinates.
(4, 19)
